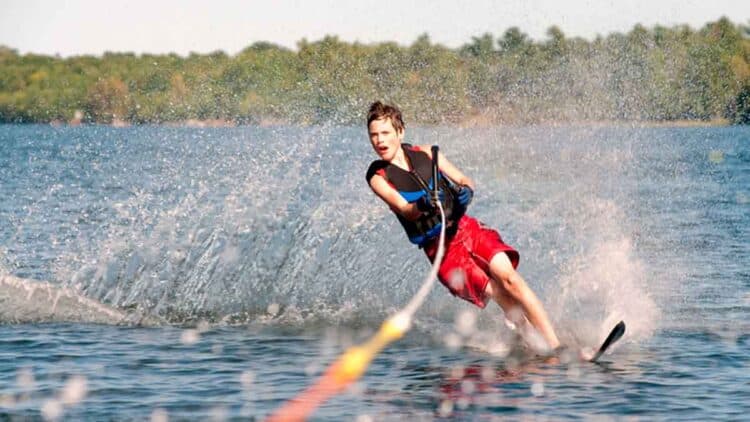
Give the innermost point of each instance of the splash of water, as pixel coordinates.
(221, 225)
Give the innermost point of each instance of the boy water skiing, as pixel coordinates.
(478, 265)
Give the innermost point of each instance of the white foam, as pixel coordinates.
(25, 300)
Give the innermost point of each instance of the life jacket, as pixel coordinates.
(416, 184)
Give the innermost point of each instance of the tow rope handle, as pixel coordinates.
(435, 190)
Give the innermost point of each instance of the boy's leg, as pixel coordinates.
(511, 292)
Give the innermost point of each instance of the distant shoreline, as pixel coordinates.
(507, 79)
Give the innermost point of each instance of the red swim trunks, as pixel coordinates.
(465, 267)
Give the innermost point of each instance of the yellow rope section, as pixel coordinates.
(353, 363)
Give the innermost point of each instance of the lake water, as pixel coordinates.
(176, 273)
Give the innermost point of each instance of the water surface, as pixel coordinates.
(234, 264)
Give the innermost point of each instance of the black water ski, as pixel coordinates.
(611, 339)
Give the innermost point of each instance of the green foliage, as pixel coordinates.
(655, 73)
(739, 110)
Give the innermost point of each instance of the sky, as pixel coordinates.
(76, 27)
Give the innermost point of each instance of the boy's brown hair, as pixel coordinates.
(379, 111)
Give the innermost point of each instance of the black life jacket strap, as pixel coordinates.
(425, 224)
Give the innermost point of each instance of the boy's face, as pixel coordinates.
(385, 139)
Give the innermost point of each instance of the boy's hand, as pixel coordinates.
(465, 195)
(428, 202)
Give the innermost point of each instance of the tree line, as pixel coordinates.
(647, 74)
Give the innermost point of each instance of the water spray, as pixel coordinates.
(353, 363)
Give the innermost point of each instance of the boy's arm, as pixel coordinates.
(449, 169)
(390, 196)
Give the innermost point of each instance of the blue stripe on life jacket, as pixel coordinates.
(412, 197)
(423, 239)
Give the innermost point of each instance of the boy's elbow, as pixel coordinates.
(409, 211)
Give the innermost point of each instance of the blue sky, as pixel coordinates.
(72, 27)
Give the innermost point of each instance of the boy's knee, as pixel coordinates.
(506, 278)
(512, 283)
